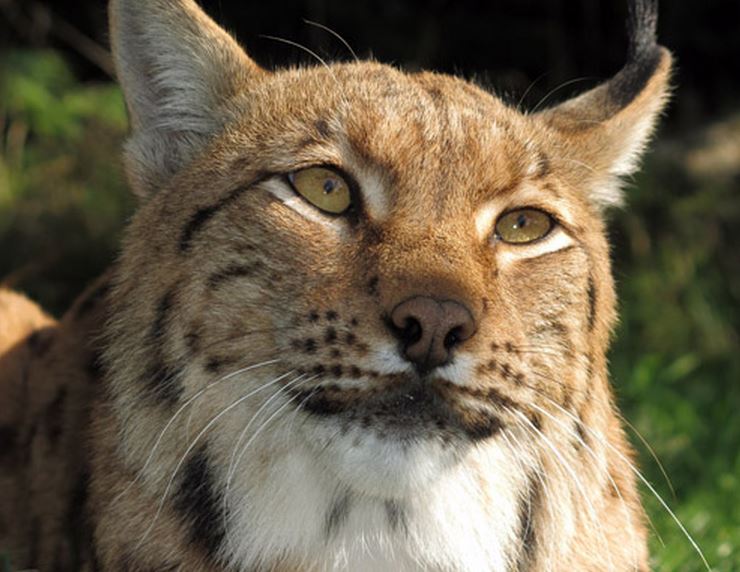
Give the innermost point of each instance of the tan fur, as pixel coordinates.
(47, 375)
(222, 270)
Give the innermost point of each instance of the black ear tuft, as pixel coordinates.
(641, 28)
(606, 129)
(643, 54)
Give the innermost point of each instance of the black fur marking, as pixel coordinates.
(536, 421)
(497, 397)
(216, 364)
(330, 335)
(482, 428)
(79, 525)
(231, 272)
(161, 378)
(319, 370)
(204, 214)
(200, 504)
(529, 504)
(54, 417)
(338, 514)
(318, 403)
(591, 293)
(213, 365)
(163, 383)
(94, 366)
(331, 315)
(396, 516)
(322, 127)
(92, 300)
(161, 316)
(40, 341)
(581, 432)
(192, 340)
(372, 286)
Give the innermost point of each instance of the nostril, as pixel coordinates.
(453, 337)
(411, 331)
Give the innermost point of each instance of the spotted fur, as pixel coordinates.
(235, 394)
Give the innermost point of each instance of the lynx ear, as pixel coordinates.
(601, 134)
(177, 69)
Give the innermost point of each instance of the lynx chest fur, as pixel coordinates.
(359, 321)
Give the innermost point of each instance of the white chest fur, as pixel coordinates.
(465, 519)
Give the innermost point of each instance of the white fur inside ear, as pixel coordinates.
(605, 189)
(606, 193)
(177, 69)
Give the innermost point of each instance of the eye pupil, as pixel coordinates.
(329, 186)
(521, 221)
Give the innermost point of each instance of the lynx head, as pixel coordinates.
(385, 270)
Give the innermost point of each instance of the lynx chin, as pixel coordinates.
(358, 322)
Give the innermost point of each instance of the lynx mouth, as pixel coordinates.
(415, 408)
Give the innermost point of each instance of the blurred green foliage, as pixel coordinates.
(676, 359)
(63, 200)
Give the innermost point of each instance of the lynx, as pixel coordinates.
(358, 322)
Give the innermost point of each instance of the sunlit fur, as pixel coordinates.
(258, 413)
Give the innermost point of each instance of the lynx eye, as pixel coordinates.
(323, 188)
(523, 225)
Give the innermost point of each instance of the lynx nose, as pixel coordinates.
(429, 329)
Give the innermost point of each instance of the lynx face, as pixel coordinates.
(371, 302)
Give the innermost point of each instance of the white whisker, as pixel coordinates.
(345, 101)
(177, 413)
(625, 508)
(231, 468)
(190, 447)
(336, 35)
(254, 436)
(557, 88)
(652, 490)
(580, 487)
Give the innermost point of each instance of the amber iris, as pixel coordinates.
(322, 187)
(523, 225)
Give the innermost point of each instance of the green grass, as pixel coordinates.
(676, 357)
(676, 360)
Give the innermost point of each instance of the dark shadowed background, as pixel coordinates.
(676, 357)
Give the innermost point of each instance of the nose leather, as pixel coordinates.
(430, 329)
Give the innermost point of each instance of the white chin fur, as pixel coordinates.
(382, 467)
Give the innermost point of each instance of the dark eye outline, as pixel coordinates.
(554, 222)
(354, 189)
